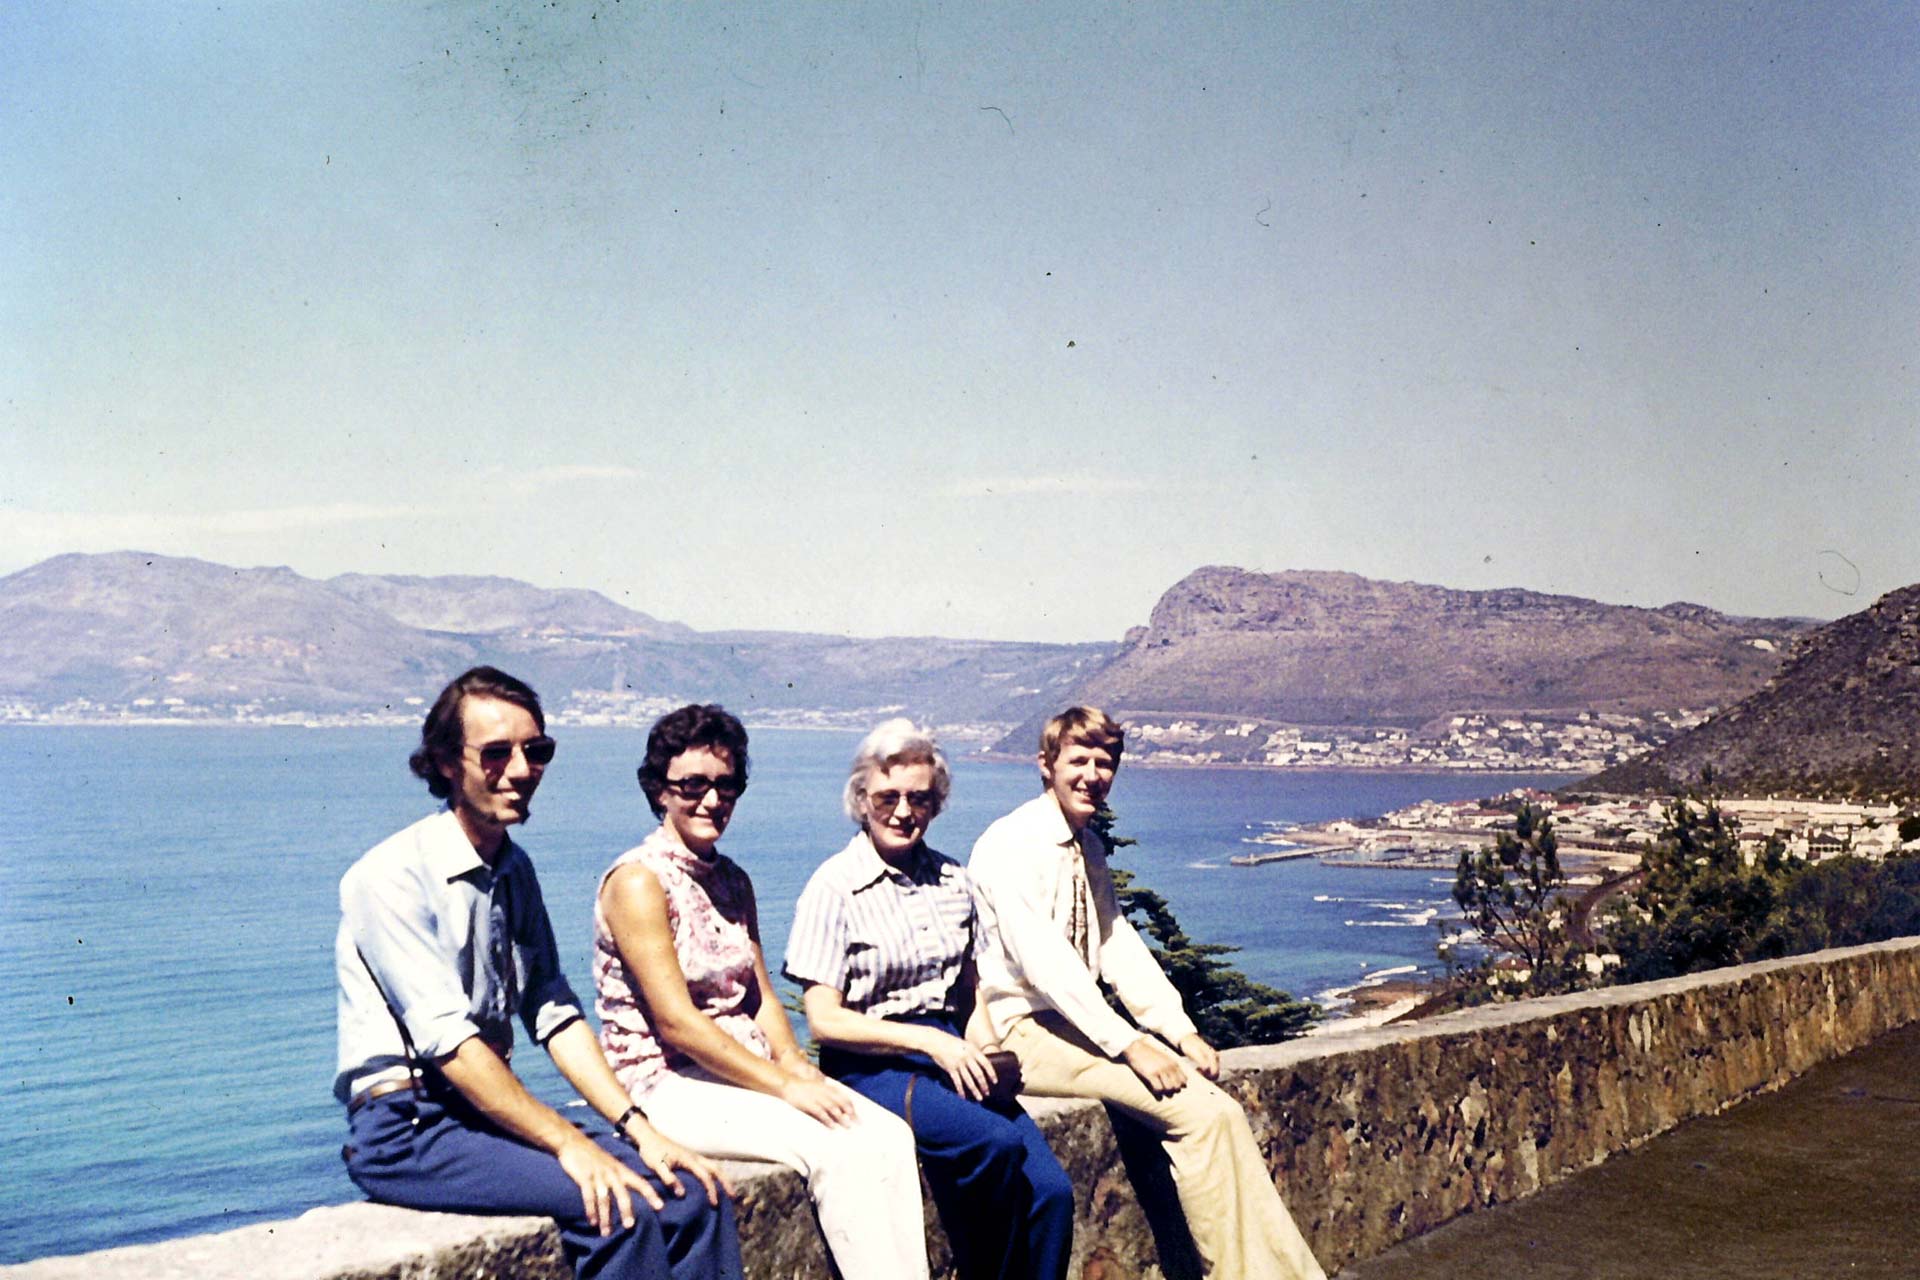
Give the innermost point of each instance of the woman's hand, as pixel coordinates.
(663, 1155)
(796, 1063)
(828, 1101)
(967, 1067)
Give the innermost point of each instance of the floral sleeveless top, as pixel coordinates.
(708, 903)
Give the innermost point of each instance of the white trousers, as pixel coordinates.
(864, 1179)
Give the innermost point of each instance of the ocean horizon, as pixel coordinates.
(166, 940)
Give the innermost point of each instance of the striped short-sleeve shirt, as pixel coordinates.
(892, 940)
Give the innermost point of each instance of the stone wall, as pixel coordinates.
(1373, 1135)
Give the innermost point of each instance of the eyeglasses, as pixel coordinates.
(495, 756)
(888, 801)
(696, 785)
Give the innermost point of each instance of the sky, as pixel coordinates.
(971, 320)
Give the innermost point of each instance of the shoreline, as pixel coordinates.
(994, 757)
(1375, 1002)
(1233, 766)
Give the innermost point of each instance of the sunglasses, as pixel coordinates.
(884, 802)
(498, 755)
(696, 785)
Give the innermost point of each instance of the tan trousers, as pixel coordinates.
(1239, 1225)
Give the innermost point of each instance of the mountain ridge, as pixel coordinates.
(136, 628)
(1300, 646)
(478, 605)
(1338, 648)
(1836, 718)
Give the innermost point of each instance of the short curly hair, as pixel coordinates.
(695, 725)
(444, 732)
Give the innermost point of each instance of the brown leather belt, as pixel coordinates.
(380, 1090)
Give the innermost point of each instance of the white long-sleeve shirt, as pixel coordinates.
(1030, 874)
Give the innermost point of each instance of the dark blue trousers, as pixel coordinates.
(1005, 1202)
(421, 1154)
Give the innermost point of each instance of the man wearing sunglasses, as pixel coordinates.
(444, 939)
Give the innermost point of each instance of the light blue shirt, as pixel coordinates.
(459, 948)
(892, 940)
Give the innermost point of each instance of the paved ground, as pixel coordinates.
(1820, 1179)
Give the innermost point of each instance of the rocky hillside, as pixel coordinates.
(133, 630)
(494, 606)
(1336, 648)
(125, 626)
(1838, 718)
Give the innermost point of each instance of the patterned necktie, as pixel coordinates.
(1079, 928)
(500, 945)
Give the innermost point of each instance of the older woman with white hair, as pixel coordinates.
(882, 945)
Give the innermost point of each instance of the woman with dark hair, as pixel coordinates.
(691, 1023)
(883, 944)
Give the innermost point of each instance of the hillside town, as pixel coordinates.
(1582, 742)
(1597, 833)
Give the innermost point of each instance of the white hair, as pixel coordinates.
(896, 741)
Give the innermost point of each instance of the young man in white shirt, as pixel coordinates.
(1052, 931)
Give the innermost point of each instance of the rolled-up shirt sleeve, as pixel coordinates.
(547, 1000)
(392, 925)
(1040, 955)
(817, 943)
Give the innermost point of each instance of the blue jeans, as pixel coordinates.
(425, 1154)
(1005, 1202)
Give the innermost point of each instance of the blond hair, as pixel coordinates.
(1086, 726)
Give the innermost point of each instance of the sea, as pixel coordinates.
(168, 900)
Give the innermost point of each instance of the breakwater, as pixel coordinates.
(1373, 1136)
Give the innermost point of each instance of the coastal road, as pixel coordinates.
(1580, 927)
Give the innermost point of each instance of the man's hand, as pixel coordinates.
(605, 1184)
(970, 1071)
(663, 1155)
(1159, 1070)
(1201, 1054)
(828, 1101)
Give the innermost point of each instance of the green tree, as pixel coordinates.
(1843, 901)
(1228, 1007)
(1510, 892)
(1701, 904)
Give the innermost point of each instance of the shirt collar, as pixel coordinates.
(681, 856)
(868, 868)
(451, 855)
(1054, 823)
